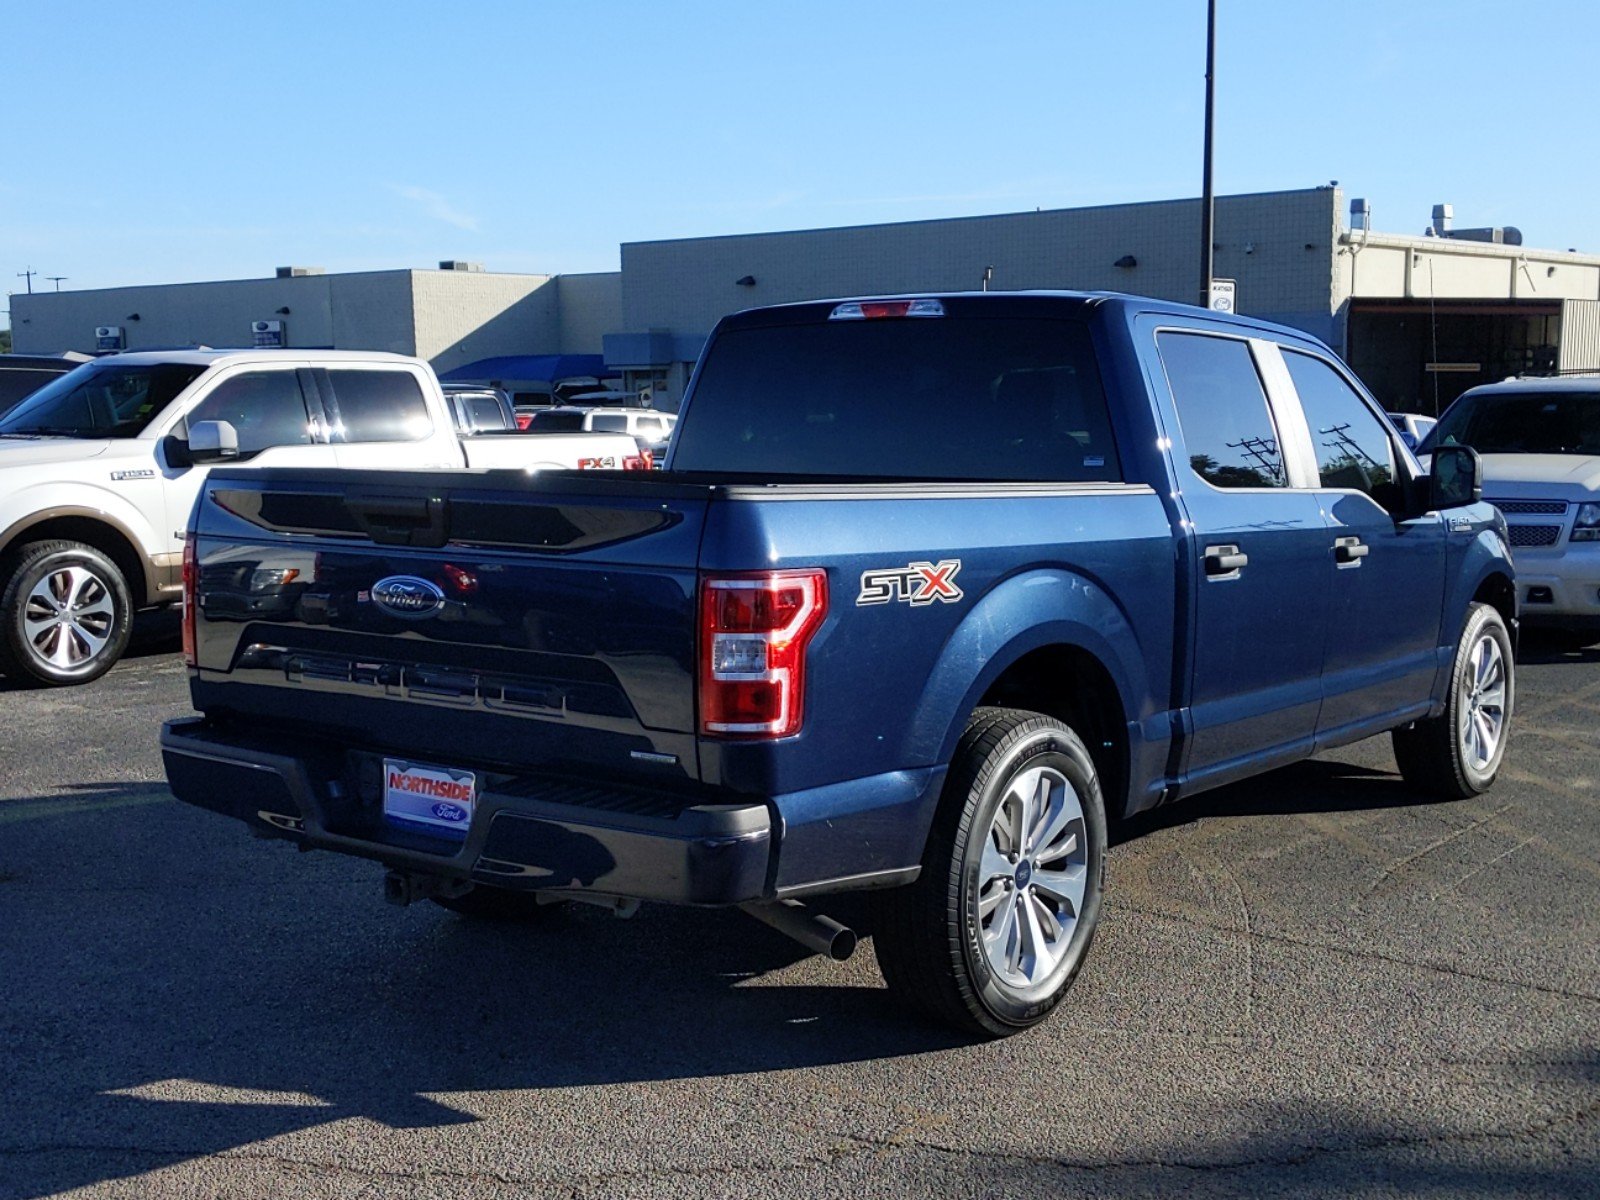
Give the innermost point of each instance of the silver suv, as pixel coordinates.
(1540, 444)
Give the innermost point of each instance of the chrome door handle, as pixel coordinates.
(1349, 550)
(1225, 562)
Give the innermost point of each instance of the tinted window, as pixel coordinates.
(1351, 441)
(17, 382)
(553, 420)
(379, 406)
(1521, 422)
(938, 398)
(1227, 428)
(484, 412)
(102, 399)
(608, 423)
(264, 407)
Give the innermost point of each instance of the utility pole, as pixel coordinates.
(56, 279)
(29, 274)
(1207, 197)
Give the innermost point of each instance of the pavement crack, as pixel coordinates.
(1376, 955)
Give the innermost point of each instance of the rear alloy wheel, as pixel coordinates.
(991, 935)
(67, 615)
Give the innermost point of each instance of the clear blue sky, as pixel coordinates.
(179, 141)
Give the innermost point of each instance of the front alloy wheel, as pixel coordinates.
(66, 613)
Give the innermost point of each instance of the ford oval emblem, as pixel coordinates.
(446, 811)
(407, 596)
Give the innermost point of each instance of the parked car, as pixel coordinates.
(99, 467)
(480, 409)
(827, 649)
(23, 374)
(651, 429)
(1413, 427)
(1540, 443)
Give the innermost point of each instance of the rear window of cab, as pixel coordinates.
(1008, 399)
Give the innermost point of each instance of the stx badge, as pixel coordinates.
(917, 584)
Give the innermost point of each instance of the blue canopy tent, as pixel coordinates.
(527, 368)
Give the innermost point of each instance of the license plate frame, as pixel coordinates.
(428, 797)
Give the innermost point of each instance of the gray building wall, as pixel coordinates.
(1278, 245)
(373, 308)
(447, 317)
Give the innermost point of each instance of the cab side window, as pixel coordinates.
(265, 409)
(1352, 443)
(378, 406)
(1227, 428)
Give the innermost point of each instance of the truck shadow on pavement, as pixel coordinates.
(152, 1021)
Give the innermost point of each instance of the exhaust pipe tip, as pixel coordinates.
(816, 932)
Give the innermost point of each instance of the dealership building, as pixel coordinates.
(1419, 316)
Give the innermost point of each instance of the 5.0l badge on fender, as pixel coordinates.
(917, 584)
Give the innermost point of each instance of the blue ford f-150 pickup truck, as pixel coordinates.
(930, 589)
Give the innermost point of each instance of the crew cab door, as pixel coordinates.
(382, 417)
(1257, 550)
(1387, 580)
(267, 408)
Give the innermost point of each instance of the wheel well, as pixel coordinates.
(1072, 685)
(104, 538)
(1502, 594)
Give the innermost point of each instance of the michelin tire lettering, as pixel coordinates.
(917, 584)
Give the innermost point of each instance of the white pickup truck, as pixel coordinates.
(99, 469)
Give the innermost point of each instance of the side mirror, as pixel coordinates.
(213, 441)
(1456, 477)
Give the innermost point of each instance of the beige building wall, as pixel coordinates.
(458, 317)
(1279, 246)
(591, 307)
(1385, 266)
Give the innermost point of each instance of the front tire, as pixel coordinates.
(65, 614)
(995, 929)
(1458, 754)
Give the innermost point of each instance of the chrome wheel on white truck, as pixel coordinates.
(67, 614)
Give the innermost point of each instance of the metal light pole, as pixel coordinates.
(1207, 197)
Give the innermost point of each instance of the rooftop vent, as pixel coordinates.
(1360, 215)
(457, 264)
(1507, 235)
(1443, 215)
(297, 272)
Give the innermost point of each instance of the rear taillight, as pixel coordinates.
(191, 587)
(753, 635)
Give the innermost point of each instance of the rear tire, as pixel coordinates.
(497, 904)
(1458, 754)
(995, 929)
(65, 614)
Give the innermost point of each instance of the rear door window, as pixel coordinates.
(1228, 432)
(1011, 399)
(608, 423)
(265, 408)
(1351, 441)
(378, 406)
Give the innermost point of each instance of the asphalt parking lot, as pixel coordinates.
(1309, 983)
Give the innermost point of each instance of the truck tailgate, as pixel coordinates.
(514, 621)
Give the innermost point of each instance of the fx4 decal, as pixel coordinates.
(917, 584)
